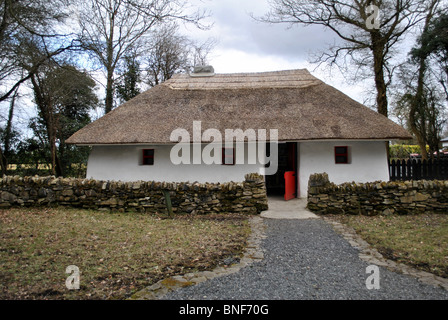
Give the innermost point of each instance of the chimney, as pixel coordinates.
(203, 71)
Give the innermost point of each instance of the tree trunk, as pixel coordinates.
(378, 69)
(380, 83)
(3, 168)
(58, 166)
(8, 132)
(109, 103)
(109, 67)
(52, 143)
(417, 104)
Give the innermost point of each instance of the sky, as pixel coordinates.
(247, 45)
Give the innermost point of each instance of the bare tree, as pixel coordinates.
(169, 52)
(369, 31)
(21, 20)
(200, 52)
(111, 28)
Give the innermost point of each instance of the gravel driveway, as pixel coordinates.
(307, 259)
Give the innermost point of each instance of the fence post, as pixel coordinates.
(392, 175)
(443, 165)
(169, 206)
(430, 167)
(424, 170)
(399, 171)
(409, 170)
(418, 170)
(404, 170)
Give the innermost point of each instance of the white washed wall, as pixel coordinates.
(123, 163)
(368, 162)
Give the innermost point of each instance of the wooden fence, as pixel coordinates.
(416, 169)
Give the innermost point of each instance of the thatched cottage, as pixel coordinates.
(319, 129)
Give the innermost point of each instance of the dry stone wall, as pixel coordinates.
(143, 196)
(399, 197)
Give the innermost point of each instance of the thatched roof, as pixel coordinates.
(296, 103)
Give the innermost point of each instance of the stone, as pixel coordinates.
(388, 212)
(67, 192)
(198, 279)
(421, 197)
(42, 192)
(7, 196)
(208, 274)
(110, 202)
(407, 199)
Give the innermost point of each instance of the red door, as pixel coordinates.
(290, 185)
(290, 174)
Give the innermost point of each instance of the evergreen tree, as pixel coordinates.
(127, 87)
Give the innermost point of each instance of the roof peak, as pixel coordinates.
(298, 78)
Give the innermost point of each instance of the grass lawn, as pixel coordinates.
(116, 253)
(419, 240)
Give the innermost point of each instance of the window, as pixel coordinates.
(228, 156)
(341, 155)
(148, 157)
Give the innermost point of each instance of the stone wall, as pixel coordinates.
(399, 197)
(143, 196)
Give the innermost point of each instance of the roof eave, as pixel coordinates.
(90, 144)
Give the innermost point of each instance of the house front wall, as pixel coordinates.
(124, 163)
(367, 162)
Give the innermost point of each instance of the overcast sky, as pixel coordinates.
(246, 45)
(239, 34)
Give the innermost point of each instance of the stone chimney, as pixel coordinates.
(203, 71)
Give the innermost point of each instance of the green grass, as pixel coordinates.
(419, 240)
(117, 253)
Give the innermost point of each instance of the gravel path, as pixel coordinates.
(307, 259)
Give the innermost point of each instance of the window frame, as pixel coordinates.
(144, 157)
(345, 154)
(223, 157)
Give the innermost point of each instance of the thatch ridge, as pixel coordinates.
(276, 79)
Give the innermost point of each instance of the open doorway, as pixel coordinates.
(276, 184)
